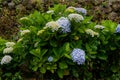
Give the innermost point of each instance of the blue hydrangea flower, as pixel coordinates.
(50, 58)
(64, 23)
(81, 10)
(78, 56)
(118, 28)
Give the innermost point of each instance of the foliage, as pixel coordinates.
(43, 49)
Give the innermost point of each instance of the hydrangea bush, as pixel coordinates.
(64, 42)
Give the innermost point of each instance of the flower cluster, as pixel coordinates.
(81, 10)
(118, 28)
(91, 32)
(9, 47)
(64, 23)
(40, 31)
(78, 10)
(24, 32)
(10, 44)
(53, 25)
(70, 9)
(8, 50)
(6, 59)
(99, 27)
(75, 17)
(78, 55)
(50, 58)
(50, 12)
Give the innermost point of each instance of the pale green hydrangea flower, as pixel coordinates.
(10, 44)
(91, 32)
(53, 25)
(76, 17)
(99, 27)
(25, 32)
(40, 31)
(50, 12)
(8, 50)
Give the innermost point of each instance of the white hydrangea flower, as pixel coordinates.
(8, 50)
(91, 32)
(81, 10)
(10, 44)
(78, 55)
(50, 12)
(54, 26)
(6, 59)
(64, 23)
(75, 17)
(24, 32)
(99, 27)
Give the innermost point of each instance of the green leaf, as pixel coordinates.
(42, 70)
(114, 68)
(53, 43)
(67, 47)
(60, 73)
(63, 65)
(36, 52)
(102, 57)
(35, 68)
(88, 48)
(75, 73)
(43, 52)
(67, 56)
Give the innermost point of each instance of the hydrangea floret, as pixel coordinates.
(78, 56)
